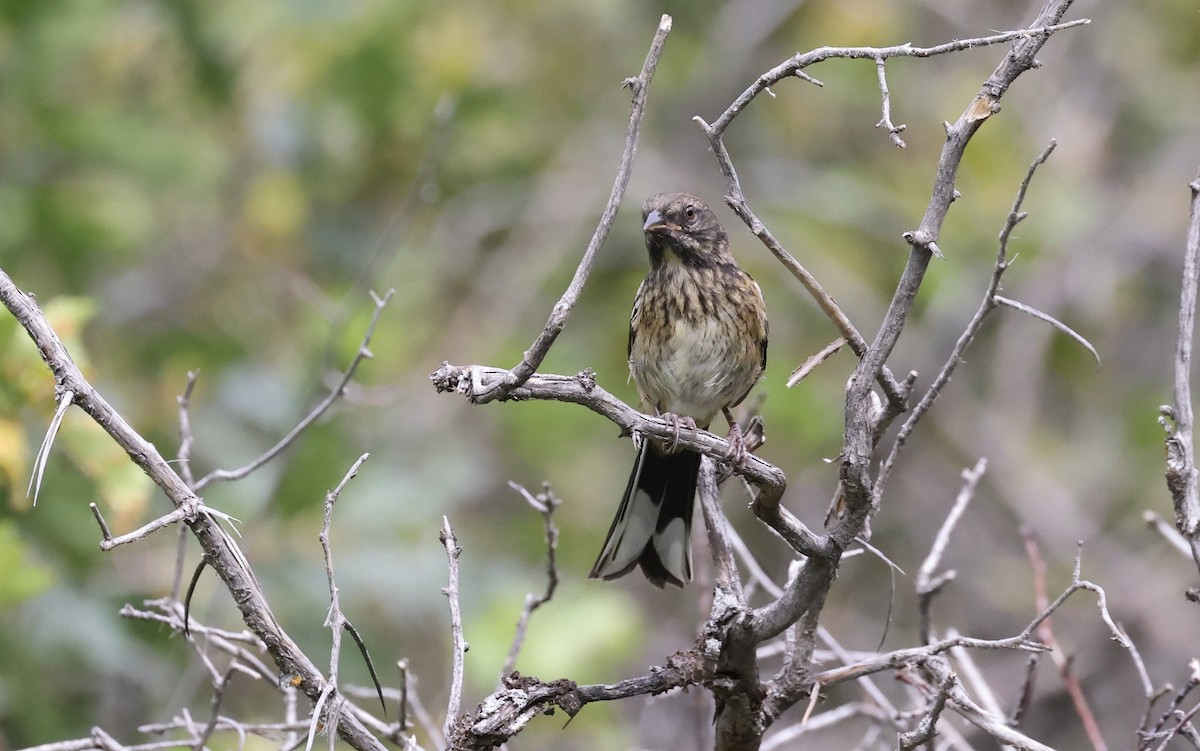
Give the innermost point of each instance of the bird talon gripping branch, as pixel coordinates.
(677, 423)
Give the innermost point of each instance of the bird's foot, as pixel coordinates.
(737, 454)
(737, 446)
(677, 423)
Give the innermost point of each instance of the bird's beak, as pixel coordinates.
(655, 222)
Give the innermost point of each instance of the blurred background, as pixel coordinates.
(217, 186)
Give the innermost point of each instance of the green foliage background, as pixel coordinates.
(217, 185)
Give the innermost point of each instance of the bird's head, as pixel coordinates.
(680, 227)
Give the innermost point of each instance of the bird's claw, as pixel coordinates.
(737, 454)
(737, 446)
(677, 422)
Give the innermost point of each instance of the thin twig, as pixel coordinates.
(364, 353)
(927, 727)
(544, 503)
(533, 356)
(822, 721)
(801, 61)
(976, 715)
(185, 513)
(794, 67)
(218, 695)
(243, 646)
(813, 361)
(872, 691)
(757, 575)
(459, 644)
(1168, 532)
(335, 620)
(893, 130)
(104, 531)
(925, 584)
(737, 201)
(972, 676)
(181, 539)
(1046, 633)
(402, 720)
(408, 693)
(184, 456)
(986, 306)
(1025, 698)
(726, 581)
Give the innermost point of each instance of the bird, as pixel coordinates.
(697, 345)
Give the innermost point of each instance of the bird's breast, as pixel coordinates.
(696, 340)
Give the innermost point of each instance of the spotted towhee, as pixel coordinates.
(697, 344)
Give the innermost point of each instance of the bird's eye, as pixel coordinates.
(690, 213)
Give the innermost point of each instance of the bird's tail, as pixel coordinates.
(653, 526)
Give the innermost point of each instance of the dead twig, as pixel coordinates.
(460, 646)
(364, 353)
(544, 503)
(640, 85)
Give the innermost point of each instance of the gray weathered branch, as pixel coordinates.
(219, 547)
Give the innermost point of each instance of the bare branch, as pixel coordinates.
(737, 201)
(184, 456)
(104, 531)
(1022, 642)
(728, 583)
(971, 479)
(926, 585)
(1169, 533)
(544, 503)
(976, 715)
(872, 691)
(1026, 696)
(1181, 461)
(1037, 33)
(502, 387)
(972, 676)
(186, 512)
(986, 306)
(927, 727)
(219, 547)
(336, 621)
(1046, 633)
(1173, 712)
(582, 389)
(364, 353)
(812, 362)
(505, 713)
(822, 721)
(218, 695)
(861, 429)
(893, 130)
(450, 542)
